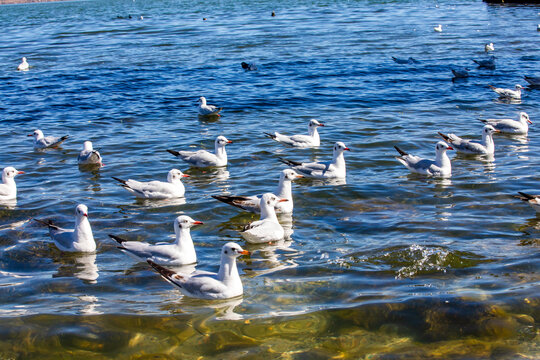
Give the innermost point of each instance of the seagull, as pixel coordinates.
(8, 188)
(249, 67)
(488, 63)
(206, 110)
(438, 28)
(268, 228)
(180, 252)
(89, 156)
(410, 60)
(301, 141)
(206, 285)
(440, 167)
(252, 203)
(486, 147)
(173, 188)
(509, 126)
(78, 240)
(533, 80)
(533, 200)
(203, 158)
(23, 66)
(42, 142)
(489, 47)
(318, 170)
(460, 73)
(508, 93)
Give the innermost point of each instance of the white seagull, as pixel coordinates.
(8, 188)
(509, 126)
(533, 200)
(533, 80)
(268, 227)
(489, 47)
(206, 285)
(79, 239)
(89, 156)
(206, 110)
(252, 203)
(42, 142)
(23, 66)
(180, 252)
(486, 147)
(173, 188)
(301, 141)
(438, 28)
(508, 93)
(318, 170)
(203, 158)
(440, 167)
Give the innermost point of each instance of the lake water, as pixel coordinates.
(387, 266)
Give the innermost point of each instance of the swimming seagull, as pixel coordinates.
(79, 239)
(460, 73)
(486, 147)
(268, 228)
(173, 188)
(410, 60)
(206, 110)
(440, 167)
(508, 93)
(89, 156)
(248, 67)
(487, 63)
(318, 170)
(301, 141)
(533, 200)
(203, 158)
(180, 252)
(8, 188)
(42, 142)
(206, 285)
(438, 28)
(489, 47)
(509, 126)
(252, 203)
(533, 80)
(23, 66)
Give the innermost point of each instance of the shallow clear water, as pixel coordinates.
(387, 266)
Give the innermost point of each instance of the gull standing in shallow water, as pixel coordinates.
(440, 167)
(79, 239)
(89, 156)
(301, 141)
(207, 110)
(206, 285)
(203, 158)
(252, 203)
(509, 126)
(486, 147)
(533, 200)
(42, 142)
(268, 228)
(173, 188)
(334, 169)
(180, 252)
(8, 188)
(23, 66)
(508, 93)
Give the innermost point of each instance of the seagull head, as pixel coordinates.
(442, 147)
(185, 222)
(290, 175)
(340, 147)
(519, 87)
(81, 211)
(314, 123)
(87, 145)
(222, 141)
(524, 117)
(37, 134)
(270, 200)
(232, 250)
(488, 130)
(202, 100)
(23, 59)
(10, 172)
(175, 174)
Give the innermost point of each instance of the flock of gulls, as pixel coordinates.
(226, 283)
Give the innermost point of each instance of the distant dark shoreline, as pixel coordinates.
(7, 2)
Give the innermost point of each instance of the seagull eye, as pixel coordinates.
(225, 252)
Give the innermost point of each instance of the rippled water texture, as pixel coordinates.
(387, 266)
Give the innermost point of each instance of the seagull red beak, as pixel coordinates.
(321, 124)
(244, 252)
(85, 214)
(30, 135)
(529, 121)
(198, 223)
(299, 176)
(449, 148)
(347, 149)
(229, 142)
(282, 200)
(20, 172)
(185, 175)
